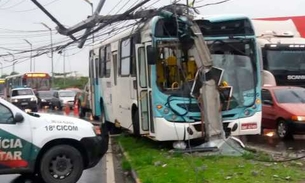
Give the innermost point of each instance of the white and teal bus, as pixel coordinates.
(149, 94)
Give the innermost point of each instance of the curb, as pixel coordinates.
(133, 172)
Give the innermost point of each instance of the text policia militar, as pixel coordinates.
(11, 145)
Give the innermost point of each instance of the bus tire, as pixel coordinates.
(61, 164)
(136, 123)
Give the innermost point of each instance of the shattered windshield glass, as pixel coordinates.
(238, 73)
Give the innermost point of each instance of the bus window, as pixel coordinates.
(108, 62)
(125, 57)
(96, 62)
(90, 64)
(142, 67)
(115, 67)
(102, 62)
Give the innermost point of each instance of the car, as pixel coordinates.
(45, 98)
(24, 98)
(62, 98)
(283, 109)
(57, 148)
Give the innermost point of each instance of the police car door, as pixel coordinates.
(15, 139)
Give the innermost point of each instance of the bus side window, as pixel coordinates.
(115, 67)
(125, 58)
(102, 62)
(24, 82)
(108, 62)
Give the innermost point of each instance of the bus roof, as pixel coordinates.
(221, 17)
(129, 31)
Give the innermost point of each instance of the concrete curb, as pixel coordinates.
(133, 172)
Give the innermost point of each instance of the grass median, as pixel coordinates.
(154, 162)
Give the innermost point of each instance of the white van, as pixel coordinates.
(57, 148)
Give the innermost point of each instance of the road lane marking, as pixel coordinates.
(109, 164)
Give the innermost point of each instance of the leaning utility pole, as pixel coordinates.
(91, 21)
(209, 92)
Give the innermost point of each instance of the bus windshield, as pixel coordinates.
(286, 60)
(38, 83)
(2, 86)
(238, 73)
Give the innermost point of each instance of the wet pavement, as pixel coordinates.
(270, 141)
(97, 174)
(93, 175)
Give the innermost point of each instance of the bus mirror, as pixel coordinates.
(151, 55)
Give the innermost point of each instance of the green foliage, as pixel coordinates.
(126, 165)
(70, 82)
(4, 75)
(161, 165)
(14, 73)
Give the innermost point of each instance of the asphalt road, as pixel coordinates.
(98, 174)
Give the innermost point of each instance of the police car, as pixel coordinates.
(57, 148)
(24, 98)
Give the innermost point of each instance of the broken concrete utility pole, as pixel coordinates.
(51, 17)
(90, 22)
(209, 91)
(215, 136)
(93, 23)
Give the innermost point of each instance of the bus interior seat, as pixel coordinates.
(172, 70)
(191, 69)
(160, 72)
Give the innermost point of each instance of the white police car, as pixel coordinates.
(57, 148)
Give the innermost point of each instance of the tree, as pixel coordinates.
(4, 75)
(14, 73)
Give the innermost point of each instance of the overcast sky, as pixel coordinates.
(18, 17)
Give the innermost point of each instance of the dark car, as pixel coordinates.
(45, 98)
(284, 110)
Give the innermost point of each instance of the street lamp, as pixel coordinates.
(14, 62)
(52, 69)
(31, 55)
(91, 4)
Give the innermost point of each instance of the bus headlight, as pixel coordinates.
(166, 111)
(174, 117)
(247, 112)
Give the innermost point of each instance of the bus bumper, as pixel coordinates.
(173, 131)
(245, 126)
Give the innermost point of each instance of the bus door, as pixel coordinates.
(96, 85)
(143, 90)
(91, 81)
